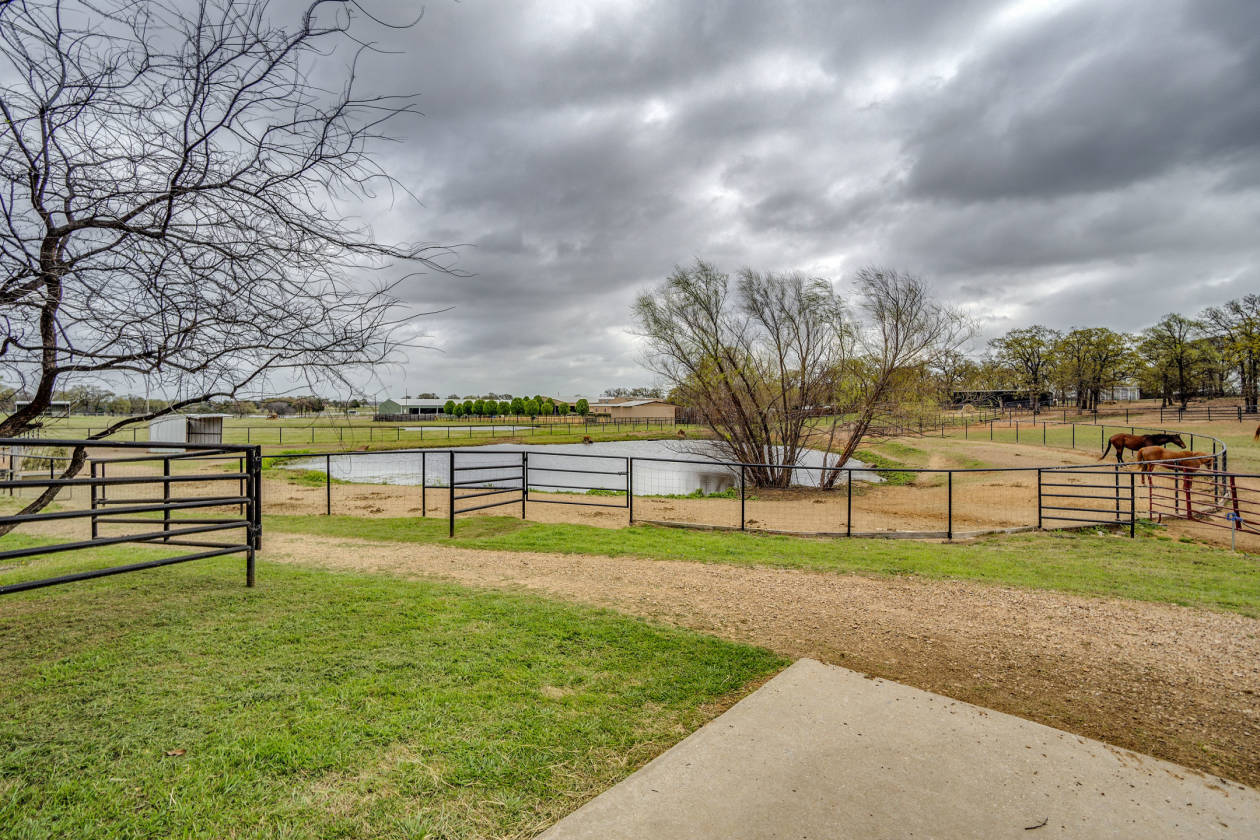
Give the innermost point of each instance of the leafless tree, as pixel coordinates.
(904, 330)
(172, 178)
(748, 361)
(762, 365)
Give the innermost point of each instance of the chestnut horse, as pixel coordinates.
(1122, 442)
(1187, 461)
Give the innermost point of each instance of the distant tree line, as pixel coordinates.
(94, 400)
(1175, 360)
(532, 407)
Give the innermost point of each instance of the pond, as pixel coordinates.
(573, 467)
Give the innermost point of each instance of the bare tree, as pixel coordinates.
(751, 361)
(762, 365)
(170, 182)
(905, 330)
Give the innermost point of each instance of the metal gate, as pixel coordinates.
(544, 477)
(1072, 497)
(471, 477)
(200, 497)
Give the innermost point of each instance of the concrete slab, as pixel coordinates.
(821, 752)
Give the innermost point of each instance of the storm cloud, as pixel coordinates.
(1038, 161)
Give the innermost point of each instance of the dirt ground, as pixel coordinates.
(1177, 683)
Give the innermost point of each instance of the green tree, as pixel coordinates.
(468, 408)
(491, 407)
(562, 409)
(531, 408)
(479, 408)
(1027, 352)
(1237, 324)
(1173, 345)
(449, 407)
(1090, 360)
(583, 407)
(518, 406)
(505, 408)
(459, 410)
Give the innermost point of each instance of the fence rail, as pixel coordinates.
(940, 502)
(134, 499)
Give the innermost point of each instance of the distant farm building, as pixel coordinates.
(410, 407)
(187, 428)
(629, 409)
(56, 408)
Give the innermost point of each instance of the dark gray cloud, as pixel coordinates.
(1063, 162)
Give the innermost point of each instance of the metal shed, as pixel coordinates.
(187, 428)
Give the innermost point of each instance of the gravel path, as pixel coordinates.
(1177, 683)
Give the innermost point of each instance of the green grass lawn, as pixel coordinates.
(1152, 567)
(177, 703)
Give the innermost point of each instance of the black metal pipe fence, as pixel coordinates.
(818, 499)
(204, 497)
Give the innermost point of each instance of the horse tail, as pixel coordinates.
(1108, 449)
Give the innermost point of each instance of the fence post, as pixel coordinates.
(424, 486)
(451, 485)
(327, 485)
(92, 488)
(848, 505)
(282, 434)
(949, 505)
(524, 481)
(1039, 498)
(1073, 435)
(1017, 431)
(1044, 432)
(254, 459)
(630, 487)
(742, 520)
(166, 497)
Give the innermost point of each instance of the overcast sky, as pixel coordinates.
(1065, 163)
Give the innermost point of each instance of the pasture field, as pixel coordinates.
(178, 703)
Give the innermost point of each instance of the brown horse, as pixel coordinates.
(1149, 456)
(1122, 442)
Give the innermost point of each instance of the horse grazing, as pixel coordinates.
(1122, 442)
(1149, 456)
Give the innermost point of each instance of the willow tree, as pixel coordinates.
(171, 185)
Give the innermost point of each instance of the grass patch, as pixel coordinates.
(892, 477)
(324, 705)
(1148, 568)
